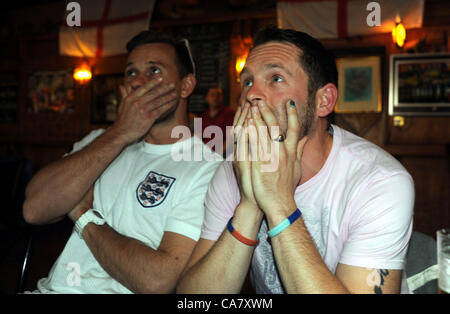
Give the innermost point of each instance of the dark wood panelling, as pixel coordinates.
(436, 13)
(431, 180)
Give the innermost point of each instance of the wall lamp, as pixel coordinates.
(399, 33)
(82, 74)
(241, 50)
(240, 63)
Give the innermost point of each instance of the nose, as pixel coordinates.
(137, 81)
(255, 93)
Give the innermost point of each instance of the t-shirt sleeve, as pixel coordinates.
(221, 200)
(85, 141)
(381, 224)
(187, 215)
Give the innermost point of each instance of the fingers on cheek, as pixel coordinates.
(152, 104)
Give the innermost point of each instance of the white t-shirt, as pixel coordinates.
(142, 194)
(358, 209)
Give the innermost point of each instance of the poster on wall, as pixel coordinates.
(51, 91)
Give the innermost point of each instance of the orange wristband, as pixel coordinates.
(239, 236)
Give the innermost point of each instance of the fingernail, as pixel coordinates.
(292, 103)
(255, 109)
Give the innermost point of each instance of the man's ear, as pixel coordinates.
(188, 85)
(326, 98)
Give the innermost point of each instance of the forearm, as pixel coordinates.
(224, 268)
(300, 265)
(57, 188)
(132, 263)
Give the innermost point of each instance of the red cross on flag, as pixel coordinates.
(343, 18)
(106, 27)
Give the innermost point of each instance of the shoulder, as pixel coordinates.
(382, 189)
(365, 157)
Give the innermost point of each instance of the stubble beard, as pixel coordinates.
(306, 116)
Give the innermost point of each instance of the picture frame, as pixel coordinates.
(106, 97)
(419, 84)
(359, 84)
(50, 91)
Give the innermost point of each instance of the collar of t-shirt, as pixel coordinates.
(162, 149)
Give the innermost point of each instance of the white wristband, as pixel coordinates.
(90, 215)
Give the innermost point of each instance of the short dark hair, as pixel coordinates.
(184, 62)
(318, 63)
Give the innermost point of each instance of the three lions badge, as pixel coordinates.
(153, 190)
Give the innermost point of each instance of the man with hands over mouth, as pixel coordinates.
(334, 215)
(137, 212)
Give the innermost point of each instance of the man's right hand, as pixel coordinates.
(140, 108)
(241, 162)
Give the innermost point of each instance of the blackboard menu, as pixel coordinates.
(210, 46)
(9, 89)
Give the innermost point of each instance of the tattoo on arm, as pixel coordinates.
(382, 273)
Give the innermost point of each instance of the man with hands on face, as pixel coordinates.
(137, 211)
(334, 215)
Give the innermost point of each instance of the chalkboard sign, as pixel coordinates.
(210, 45)
(9, 88)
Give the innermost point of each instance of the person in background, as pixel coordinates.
(335, 215)
(137, 212)
(217, 114)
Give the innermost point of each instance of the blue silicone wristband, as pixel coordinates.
(285, 223)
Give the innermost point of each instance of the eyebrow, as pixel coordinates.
(149, 63)
(244, 71)
(276, 66)
(268, 66)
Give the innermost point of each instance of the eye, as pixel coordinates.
(247, 83)
(277, 79)
(130, 73)
(155, 70)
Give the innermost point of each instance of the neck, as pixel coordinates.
(315, 152)
(160, 133)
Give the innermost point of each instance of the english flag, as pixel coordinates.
(344, 18)
(105, 26)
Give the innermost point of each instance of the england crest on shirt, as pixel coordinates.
(153, 190)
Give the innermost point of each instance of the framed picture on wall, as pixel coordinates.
(419, 84)
(51, 91)
(359, 84)
(105, 97)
